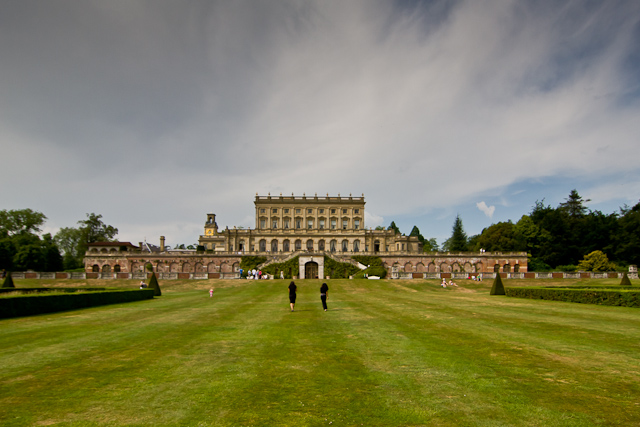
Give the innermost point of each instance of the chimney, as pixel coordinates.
(161, 243)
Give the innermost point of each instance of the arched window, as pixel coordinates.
(356, 246)
(516, 268)
(310, 245)
(345, 245)
(298, 245)
(496, 268)
(116, 268)
(321, 245)
(285, 246)
(95, 268)
(262, 246)
(506, 268)
(106, 268)
(274, 245)
(333, 246)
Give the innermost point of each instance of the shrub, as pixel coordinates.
(153, 284)
(567, 268)
(625, 280)
(8, 281)
(339, 270)
(250, 262)
(289, 268)
(498, 287)
(375, 266)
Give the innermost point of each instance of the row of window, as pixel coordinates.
(286, 224)
(356, 211)
(286, 245)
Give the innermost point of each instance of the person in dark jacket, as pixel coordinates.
(324, 293)
(292, 294)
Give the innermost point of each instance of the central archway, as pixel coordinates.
(311, 270)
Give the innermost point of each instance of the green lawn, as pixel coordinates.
(387, 353)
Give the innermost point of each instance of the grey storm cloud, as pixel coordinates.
(156, 112)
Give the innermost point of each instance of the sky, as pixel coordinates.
(153, 113)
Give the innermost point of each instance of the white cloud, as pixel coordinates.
(488, 210)
(156, 115)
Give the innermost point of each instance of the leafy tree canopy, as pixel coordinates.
(596, 261)
(21, 221)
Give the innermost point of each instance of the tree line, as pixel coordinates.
(22, 248)
(560, 237)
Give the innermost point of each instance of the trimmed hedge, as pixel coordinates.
(600, 296)
(29, 305)
(39, 290)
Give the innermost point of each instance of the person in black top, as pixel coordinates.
(292, 294)
(324, 293)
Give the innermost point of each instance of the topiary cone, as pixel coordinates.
(8, 281)
(153, 284)
(625, 280)
(498, 287)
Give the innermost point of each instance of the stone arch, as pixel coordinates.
(467, 267)
(211, 267)
(235, 266)
(113, 251)
(175, 267)
(106, 268)
(95, 268)
(286, 246)
(496, 268)
(445, 268)
(310, 245)
(478, 267)
(135, 267)
(420, 268)
(187, 268)
(408, 267)
(432, 267)
(506, 268)
(116, 268)
(103, 251)
(148, 266)
(516, 268)
(455, 267)
(274, 245)
(225, 267)
(199, 268)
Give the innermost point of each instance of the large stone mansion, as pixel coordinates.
(285, 226)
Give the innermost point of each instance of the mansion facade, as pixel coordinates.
(287, 224)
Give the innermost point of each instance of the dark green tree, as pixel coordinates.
(625, 280)
(394, 227)
(8, 281)
(458, 240)
(625, 239)
(497, 288)
(503, 236)
(574, 205)
(153, 284)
